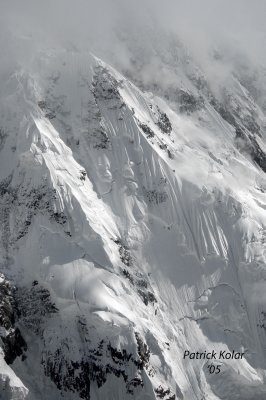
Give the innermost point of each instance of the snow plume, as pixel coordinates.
(124, 32)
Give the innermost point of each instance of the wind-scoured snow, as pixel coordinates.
(133, 231)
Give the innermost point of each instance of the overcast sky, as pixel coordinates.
(99, 24)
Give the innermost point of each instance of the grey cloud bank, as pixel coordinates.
(121, 30)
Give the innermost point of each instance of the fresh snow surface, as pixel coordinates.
(147, 238)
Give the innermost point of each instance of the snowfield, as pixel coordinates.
(133, 227)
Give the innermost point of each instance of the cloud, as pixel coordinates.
(126, 31)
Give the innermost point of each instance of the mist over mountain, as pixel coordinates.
(132, 200)
(100, 25)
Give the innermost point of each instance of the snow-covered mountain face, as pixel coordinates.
(133, 229)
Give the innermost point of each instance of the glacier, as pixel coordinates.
(133, 228)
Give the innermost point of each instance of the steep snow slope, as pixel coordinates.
(133, 228)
